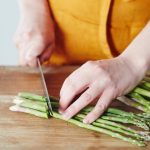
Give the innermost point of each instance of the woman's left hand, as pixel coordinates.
(105, 80)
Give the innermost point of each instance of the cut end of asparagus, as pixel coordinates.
(35, 105)
(14, 108)
(18, 108)
(32, 96)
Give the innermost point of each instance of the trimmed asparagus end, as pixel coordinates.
(32, 96)
(29, 111)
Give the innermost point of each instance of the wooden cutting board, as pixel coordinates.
(21, 131)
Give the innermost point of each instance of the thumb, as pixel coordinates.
(32, 53)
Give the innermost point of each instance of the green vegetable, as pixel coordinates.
(93, 127)
(145, 85)
(132, 103)
(142, 91)
(32, 96)
(117, 127)
(29, 111)
(36, 105)
(108, 123)
(140, 99)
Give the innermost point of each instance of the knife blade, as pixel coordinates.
(45, 87)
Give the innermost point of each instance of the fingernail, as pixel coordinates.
(60, 111)
(66, 116)
(86, 121)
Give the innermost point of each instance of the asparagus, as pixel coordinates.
(144, 115)
(33, 104)
(132, 103)
(102, 130)
(29, 111)
(113, 112)
(36, 106)
(126, 120)
(32, 96)
(130, 132)
(144, 85)
(140, 99)
(147, 79)
(124, 113)
(118, 128)
(147, 84)
(21, 99)
(142, 91)
(45, 115)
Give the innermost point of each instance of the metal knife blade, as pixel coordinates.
(45, 87)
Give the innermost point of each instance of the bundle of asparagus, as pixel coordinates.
(139, 97)
(113, 122)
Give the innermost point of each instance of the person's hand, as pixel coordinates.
(35, 34)
(105, 80)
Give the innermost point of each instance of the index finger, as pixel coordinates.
(72, 86)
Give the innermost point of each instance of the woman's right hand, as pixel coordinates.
(35, 35)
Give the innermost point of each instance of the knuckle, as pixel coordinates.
(40, 38)
(102, 107)
(73, 87)
(21, 38)
(89, 63)
(96, 112)
(25, 35)
(71, 82)
(108, 80)
(68, 81)
(73, 109)
(87, 97)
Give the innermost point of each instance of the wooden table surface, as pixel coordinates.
(21, 131)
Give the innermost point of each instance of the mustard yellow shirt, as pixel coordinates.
(95, 29)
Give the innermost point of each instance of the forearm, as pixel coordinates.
(35, 35)
(138, 52)
(34, 6)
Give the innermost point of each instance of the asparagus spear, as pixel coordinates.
(144, 115)
(37, 105)
(142, 91)
(56, 105)
(140, 99)
(147, 79)
(114, 112)
(124, 113)
(126, 120)
(116, 127)
(132, 103)
(32, 96)
(21, 99)
(29, 111)
(102, 130)
(144, 85)
(32, 105)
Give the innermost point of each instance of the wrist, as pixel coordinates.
(137, 65)
(33, 7)
(138, 51)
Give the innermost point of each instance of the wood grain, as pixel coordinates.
(21, 131)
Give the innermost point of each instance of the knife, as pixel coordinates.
(45, 87)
